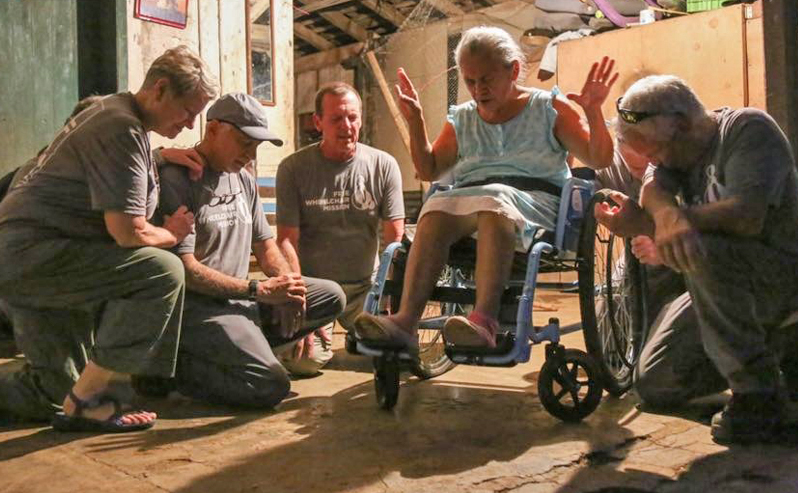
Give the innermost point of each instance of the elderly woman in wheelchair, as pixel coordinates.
(507, 151)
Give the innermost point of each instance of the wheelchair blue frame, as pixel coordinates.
(575, 196)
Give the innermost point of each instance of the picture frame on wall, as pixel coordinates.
(168, 12)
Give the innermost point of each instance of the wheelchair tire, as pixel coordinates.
(613, 311)
(569, 386)
(386, 381)
(432, 360)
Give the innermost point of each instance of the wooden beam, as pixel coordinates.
(327, 58)
(260, 37)
(257, 8)
(312, 37)
(401, 125)
(346, 25)
(340, 21)
(385, 11)
(322, 4)
(447, 7)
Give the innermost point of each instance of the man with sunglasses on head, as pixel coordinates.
(721, 202)
(672, 367)
(224, 353)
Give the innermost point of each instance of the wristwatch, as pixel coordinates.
(252, 290)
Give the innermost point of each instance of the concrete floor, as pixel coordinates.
(472, 429)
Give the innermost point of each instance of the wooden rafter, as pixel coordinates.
(447, 7)
(340, 21)
(322, 4)
(385, 11)
(327, 58)
(346, 25)
(257, 8)
(312, 37)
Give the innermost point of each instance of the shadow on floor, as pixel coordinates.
(751, 468)
(438, 428)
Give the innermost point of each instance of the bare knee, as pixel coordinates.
(441, 229)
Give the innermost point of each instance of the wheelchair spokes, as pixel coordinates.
(611, 302)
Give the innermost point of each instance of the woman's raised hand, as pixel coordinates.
(597, 86)
(409, 103)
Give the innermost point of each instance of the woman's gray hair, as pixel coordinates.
(186, 72)
(659, 95)
(491, 42)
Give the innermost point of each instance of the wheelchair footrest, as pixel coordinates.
(376, 348)
(505, 342)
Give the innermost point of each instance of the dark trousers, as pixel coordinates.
(225, 352)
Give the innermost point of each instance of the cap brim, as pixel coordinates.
(262, 134)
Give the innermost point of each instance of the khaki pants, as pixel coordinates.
(75, 300)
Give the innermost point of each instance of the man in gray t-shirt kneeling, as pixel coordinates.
(721, 202)
(224, 354)
(331, 199)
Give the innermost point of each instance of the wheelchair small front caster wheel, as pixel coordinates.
(569, 386)
(386, 380)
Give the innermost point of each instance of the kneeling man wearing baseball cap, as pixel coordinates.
(224, 353)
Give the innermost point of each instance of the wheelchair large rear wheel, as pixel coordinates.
(611, 301)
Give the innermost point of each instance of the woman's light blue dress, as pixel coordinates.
(524, 146)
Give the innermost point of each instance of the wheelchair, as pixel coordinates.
(610, 284)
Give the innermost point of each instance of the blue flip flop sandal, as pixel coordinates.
(79, 423)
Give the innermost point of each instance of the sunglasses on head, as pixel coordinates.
(630, 116)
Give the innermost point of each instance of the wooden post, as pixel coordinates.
(386, 93)
(781, 67)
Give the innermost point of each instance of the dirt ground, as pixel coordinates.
(473, 429)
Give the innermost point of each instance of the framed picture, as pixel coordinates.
(170, 12)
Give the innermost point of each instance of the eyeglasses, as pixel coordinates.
(225, 199)
(630, 116)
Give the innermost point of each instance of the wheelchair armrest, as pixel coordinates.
(575, 197)
(437, 187)
(584, 173)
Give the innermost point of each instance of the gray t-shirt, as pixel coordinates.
(750, 158)
(99, 161)
(22, 171)
(617, 177)
(228, 216)
(338, 208)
